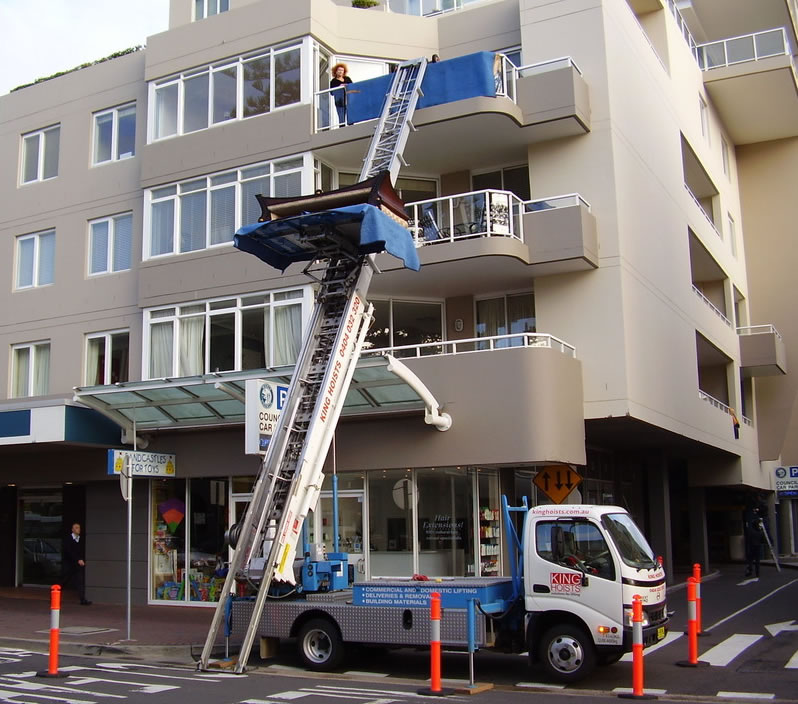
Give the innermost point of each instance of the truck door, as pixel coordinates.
(573, 568)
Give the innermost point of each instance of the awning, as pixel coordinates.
(380, 384)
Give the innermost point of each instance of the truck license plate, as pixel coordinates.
(660, 632)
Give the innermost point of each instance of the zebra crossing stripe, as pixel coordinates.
(745, 695)
(724, 652)
(672, 636)
(792, 663)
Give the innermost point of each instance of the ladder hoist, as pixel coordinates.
(331, 238)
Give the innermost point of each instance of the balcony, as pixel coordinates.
(762, 351)
(752, 82)
(535, 103)
(709, 304)
(476, 242)
(428, 8)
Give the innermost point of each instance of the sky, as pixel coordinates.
(41, 37)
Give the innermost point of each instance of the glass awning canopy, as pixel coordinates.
(219, 398)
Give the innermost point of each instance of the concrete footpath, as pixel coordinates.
(168, 634)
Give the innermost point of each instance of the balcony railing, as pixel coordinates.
(567, 201)
(683, 28)
(476, 344)
(712, 306)
(703, 210)
(759, 330)
(487, 213)
(427, 8)
(704, 396)
(738, 50)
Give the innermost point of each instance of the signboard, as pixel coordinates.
(787, 481)
(265, 401)
(557, 482)
(141, 464)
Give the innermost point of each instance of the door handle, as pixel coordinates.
(541, 589)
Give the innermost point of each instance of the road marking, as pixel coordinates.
(539, 685)
(792, 663)
(629, 690)
(339, 691)
(751, 605)
(21, 682)
(775, 628)
(745, 695)
(747, 581)
(724, 652)
(370, 674)
(668, 639)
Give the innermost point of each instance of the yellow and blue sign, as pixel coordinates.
(141, 464)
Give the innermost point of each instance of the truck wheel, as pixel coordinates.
(567, 653)
(320, 645)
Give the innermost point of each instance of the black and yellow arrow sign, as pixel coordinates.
(557, 481)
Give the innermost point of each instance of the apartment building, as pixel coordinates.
(604, 249)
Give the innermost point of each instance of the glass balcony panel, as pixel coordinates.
(770, 43)
(740, 49)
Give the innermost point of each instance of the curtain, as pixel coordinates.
(287, 334)
(521, 312)
(94, 373)
(41, 370)
(161, 350)
(21, 371)
(192, 353)
(490, 319)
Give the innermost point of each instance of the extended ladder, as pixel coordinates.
(393, 128)
(290, 477)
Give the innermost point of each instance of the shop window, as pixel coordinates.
(391, 537)
(168, 539)
(490, 525)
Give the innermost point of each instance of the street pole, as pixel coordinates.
(130, 531)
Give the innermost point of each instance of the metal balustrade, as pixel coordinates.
(712, 306)
(475, 344)
(705, 213)
(759, 330)
(747, 47)
(569, 200)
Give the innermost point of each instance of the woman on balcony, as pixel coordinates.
(340, 80)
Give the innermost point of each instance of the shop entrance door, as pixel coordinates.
(41, 511)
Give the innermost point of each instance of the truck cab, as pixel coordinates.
(582, 566)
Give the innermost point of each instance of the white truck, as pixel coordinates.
(568, 602)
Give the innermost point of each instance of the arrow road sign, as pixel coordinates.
(557, 481)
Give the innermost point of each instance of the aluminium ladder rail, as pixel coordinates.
(289, 481)
(393, 128)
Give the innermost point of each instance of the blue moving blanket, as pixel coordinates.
(444, 82)
(277, 243)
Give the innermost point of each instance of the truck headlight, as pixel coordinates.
(627, 618)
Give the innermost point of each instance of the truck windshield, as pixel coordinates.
(630, 542)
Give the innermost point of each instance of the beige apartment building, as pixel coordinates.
(604, 289)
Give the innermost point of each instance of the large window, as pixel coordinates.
(515, 179)
(30, 369)
(205, 212)
(107, 357)
(35, 259)
(399, 323)
(114, 134)
(245, 332)
(208, 8)
(233, 89)
(40, 154)
(506, 315)
(110, 244)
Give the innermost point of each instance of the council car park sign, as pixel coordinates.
(787, 481)
(557, 481)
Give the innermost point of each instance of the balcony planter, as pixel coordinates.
(365, 4)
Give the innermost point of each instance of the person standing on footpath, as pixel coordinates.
(754, 540)
(75, 563)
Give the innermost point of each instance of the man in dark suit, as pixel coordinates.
(75, 563)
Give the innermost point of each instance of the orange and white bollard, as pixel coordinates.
(697, 577)
(637, 652)
(692, 629)
(435, 689)
(55, 618)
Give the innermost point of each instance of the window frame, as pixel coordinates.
(219, 5)
(178, 192)
(504, 296)
(175, 314)
(32, 348)
(41, 136)
(114, 113)
(111, 247)
(36, 263)
(108, 338)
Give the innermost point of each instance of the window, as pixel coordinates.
(724, 153)
(107, 357)
(400, 323)
(244, 332)
(514, 314)
(208, 8)
(704, 114)
(110, 244)
(514, 179)
(234, 89)
(30, 372)
(36, 259)
(114, 134)
(578, 545)
(206, 212)
(40, 154)
(732, 235)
